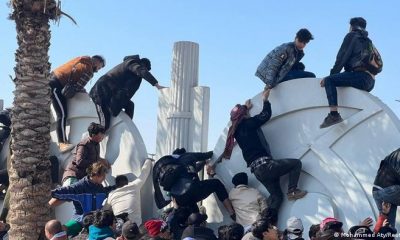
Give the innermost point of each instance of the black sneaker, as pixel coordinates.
(331, 120)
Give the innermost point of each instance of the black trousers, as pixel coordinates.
(60, 106)
(200, 190)
(269, 175)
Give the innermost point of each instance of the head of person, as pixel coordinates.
(312, 233)
(88, 220)
(223, 232)
(97, 172)
(146, 63)
(179, 151)
(240, 179)
(130, 231)
(103, 218)
(264, 230)
(294, 228)
(239, 112)
(358, 23)
(197, 219)
(96, 131)
(54, 230)
(98, 62)
(158, 228)
(331, 223)
(121, 180)
(235, 231)
(303, 36)
(271, 214)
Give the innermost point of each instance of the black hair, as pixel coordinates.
(358, 22)
(235, 232)
(146, 63)
(100, 59)
(223, 232)
(103, 218)
(121, 180)
(179, 151)
(95, 128)
(259, 227)
(313, 230)
(240, 178)
(304, 36)
(271, 214)
(88, 220)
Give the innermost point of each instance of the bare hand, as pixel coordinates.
(386, 208)
(158, 86)
(248, 104)
(385, 223)
(367, 222)
(210, 169)
(322, 83)
(265, 94)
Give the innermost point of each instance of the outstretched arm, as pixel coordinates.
(261, 118)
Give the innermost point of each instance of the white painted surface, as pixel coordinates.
(339, 162)
(184, 107)
(123, 147)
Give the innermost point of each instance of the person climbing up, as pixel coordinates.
(283, 63)
(114, 90)
(184, 185)
(257, 154)
(67, 80)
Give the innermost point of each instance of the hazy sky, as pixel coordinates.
(234, 36)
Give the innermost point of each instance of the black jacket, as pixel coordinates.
(191, 161)
(389, 170)
(250, 138)
(121, 83)
(349, 55)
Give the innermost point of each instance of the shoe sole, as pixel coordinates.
(325, 126)
(293, 198)
(66, 149)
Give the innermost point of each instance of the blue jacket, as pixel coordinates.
(275, 66)
(86, 195)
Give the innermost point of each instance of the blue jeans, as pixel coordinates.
(269, 175)
(391, 195)
(293, 74)
(359, 80)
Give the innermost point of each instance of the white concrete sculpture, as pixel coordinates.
(339, 162)
(123, 147)
(184, 107)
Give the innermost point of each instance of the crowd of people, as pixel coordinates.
(114, 212)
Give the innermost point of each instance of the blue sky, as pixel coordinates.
(234, 36)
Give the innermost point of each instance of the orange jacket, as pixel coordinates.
(77, 71)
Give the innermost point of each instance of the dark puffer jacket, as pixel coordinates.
(349, 55)
(275, 66)
(389, 170)
(120, 83)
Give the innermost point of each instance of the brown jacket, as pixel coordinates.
(78, 71)
(87, 153)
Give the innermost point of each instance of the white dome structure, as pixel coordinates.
(122, 146)
(339, 162)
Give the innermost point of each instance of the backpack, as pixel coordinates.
(170, 172)
(371, 58)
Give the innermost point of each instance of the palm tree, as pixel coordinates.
(29, 170)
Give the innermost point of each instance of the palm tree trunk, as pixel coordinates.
(29, 172)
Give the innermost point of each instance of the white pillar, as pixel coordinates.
(184, 107)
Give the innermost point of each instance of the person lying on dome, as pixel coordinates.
(283, 63)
